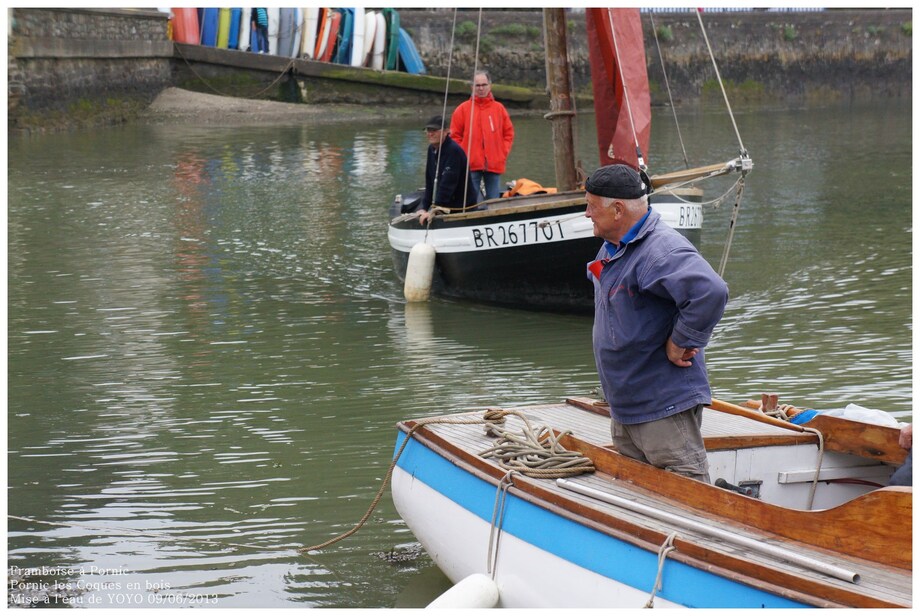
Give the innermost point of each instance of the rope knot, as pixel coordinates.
(494, 418)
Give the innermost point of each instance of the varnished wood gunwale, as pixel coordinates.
(811, 590)
(872, 526)
(854, 437)
(794, 436)
(840, 435)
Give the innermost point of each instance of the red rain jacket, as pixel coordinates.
(492, 133)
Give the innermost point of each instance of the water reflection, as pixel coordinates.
(208, 349)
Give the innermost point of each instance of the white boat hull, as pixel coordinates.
(526, 576)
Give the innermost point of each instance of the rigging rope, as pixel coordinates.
(699, 17)
(469, 148)
(668, 88)
(632, 124)
(437, 164)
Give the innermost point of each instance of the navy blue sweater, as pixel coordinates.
(657, 286)
(452, 171)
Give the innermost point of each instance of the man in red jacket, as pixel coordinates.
(486, 137)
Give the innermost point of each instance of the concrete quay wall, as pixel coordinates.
(73, 64)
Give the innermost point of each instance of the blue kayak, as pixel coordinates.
(409, 54)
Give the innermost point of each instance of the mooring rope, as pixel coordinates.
(491, 417)
(666, 548)
(216, 91)
(498, 516)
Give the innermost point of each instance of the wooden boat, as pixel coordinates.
(814, 526)
(530, 251)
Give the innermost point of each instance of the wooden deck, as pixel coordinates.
(881, 584)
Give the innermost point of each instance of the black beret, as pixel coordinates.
(616, 181)
(436, 122)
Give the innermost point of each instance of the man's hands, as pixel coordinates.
(679, 356)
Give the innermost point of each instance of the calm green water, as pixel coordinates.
(206, 341)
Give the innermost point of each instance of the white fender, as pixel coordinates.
(474, 591)
(419, 273)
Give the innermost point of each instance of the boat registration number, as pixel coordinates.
(517, 233)
(690, 216)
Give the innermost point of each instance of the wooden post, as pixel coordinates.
(561, 108)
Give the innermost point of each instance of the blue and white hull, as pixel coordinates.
(546, 546)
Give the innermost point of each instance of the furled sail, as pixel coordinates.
(617, 55)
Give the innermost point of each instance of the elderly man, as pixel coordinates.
(656, 302)
(447, 183)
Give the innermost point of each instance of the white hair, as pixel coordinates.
(631, 204)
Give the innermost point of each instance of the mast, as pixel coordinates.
(561, 112)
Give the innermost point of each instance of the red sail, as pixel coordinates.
(616, 134)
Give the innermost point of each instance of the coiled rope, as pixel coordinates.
(537, 453)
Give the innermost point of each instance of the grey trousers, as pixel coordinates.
(673, 443)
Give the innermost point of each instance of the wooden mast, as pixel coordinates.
(561, 109)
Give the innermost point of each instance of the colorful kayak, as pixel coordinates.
(335, 19)
(409, 54)
(223, 28)
(346, 26)
(209, 24)
(392, 49)
(235, 23)
(185, 26)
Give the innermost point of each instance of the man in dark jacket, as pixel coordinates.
(656, 304)
(447, 183)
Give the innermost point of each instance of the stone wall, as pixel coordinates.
(777, 56)
(96, 63)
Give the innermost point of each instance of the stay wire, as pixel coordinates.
(466, 184)
(437, 165)
(715, 66)
(667, 85)
(629, 113)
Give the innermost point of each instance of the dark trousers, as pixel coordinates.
(262, 39)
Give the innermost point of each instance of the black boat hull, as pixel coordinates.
(523, 252)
